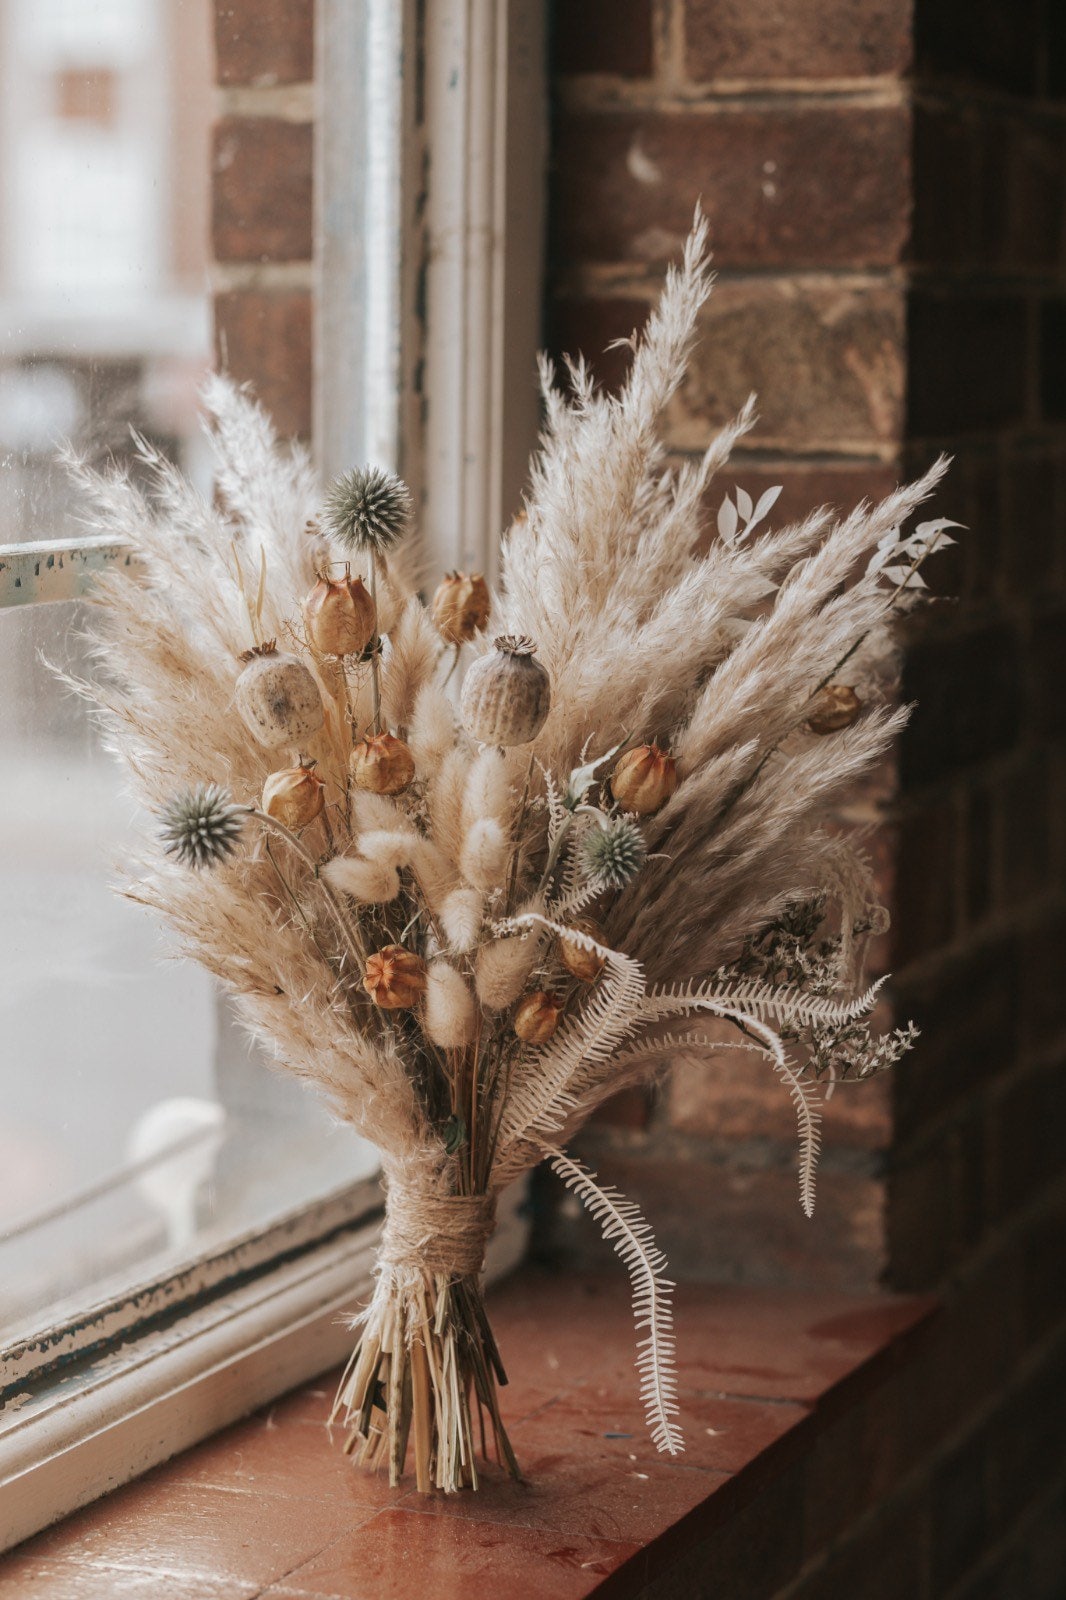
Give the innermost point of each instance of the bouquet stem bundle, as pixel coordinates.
(467, 907)
(425, 1371)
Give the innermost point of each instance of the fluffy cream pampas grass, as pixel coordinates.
(471, 945)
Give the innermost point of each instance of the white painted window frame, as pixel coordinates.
(428, 367)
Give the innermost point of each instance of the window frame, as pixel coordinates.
(459, 155)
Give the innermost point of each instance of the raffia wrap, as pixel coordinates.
(443, 1234)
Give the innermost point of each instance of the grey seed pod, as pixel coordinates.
(278, 697)
(506, 694)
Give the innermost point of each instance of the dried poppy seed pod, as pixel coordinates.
(461, 606)
(578, 960)
(506, 694)
(835, 707)
(340, 616)
(382, 764)
(537, 1017)
(644, 779)
(295, 796)
(395, 978)
(277, 697)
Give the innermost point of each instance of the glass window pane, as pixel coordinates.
(104, 127)
(112, 1050)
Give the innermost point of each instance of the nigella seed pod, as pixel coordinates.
(382, 764)
(277, 697)
(339, 614)
(395, 978)
(294, 797)
(835, 707)
(578, 960)
(537, 1017)
(461, 606)
(506, 694)
(644, 779)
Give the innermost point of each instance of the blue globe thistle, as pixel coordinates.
(367, 509)
(201, 826)
(612, 853)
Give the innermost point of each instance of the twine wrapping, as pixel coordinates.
(440, 1233)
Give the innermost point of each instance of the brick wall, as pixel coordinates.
(795, 128)
(888, 195)
(887, 187)
(262, 203)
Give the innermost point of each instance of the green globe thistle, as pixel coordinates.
(367, 509)
(612, 853)
(201, 826)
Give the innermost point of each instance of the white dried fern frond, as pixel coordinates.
(624, 1227)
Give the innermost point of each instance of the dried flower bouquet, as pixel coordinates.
(468, 916)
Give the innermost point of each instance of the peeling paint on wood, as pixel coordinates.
(57, 569)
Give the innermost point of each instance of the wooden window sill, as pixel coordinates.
(267, 1508)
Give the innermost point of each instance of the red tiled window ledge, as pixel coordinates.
(269, 1509)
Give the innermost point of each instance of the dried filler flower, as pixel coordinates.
(461, 606)
(295, 796)
(395, 978)
(644, 779)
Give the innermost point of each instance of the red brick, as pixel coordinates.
(264, 41)
(804, 486)
(264, 338)
(977, 868)
(979, 41)
(789, 187)
(968, 690)
(630, 1108)
(1049, 665)
(261, 198)
(825, 363)
(1041, 967)
(742, 1221)
(1030, 514)
(947, 187)
(729, 1097)
(960, 1512)
(967, 1009)
(586, 325)
(968, 361)
(1029, 1127)
(603, 36)
(1052, 336)
(883, 1561)
(793, 39)
(1023, 199)
(926, 894)
(1024, 831)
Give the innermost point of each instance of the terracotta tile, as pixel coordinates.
(403, 1553)
(48, 1580)
(775, 1345)
(720, 1434)
(182, 1529)
(288, 1459)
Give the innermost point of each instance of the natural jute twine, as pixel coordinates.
(442, 1233)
